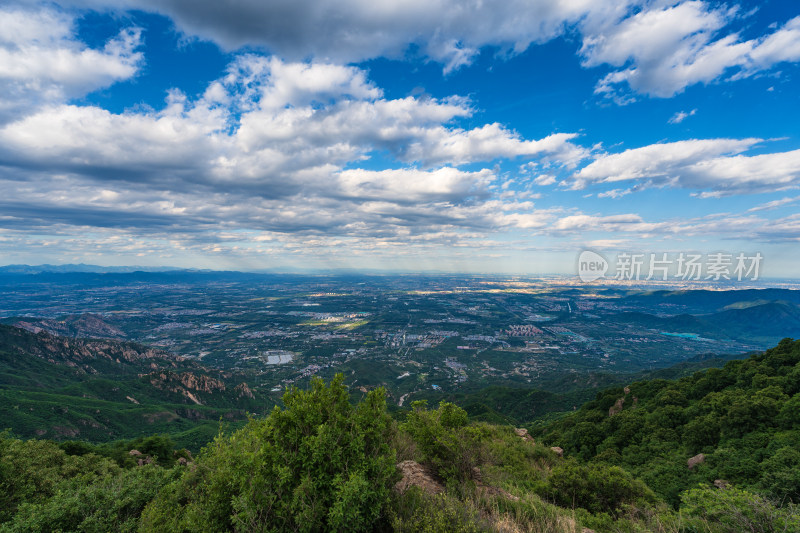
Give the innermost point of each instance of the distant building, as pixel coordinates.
(523, 330)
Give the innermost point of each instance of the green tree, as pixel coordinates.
(319, 464)
(780, 475)
(447, 442)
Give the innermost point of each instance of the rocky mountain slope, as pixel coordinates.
(102, 389)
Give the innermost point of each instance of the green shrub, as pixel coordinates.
(596, 488)
(112, 503)
(445, 440)
(320, 464)
(732, 510)
(32, 471)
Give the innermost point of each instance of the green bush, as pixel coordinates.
(733, 510)
(596, 488)
(320, 464)
(112, 503)
(445, 440)
(33, 471)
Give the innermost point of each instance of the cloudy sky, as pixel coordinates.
(457, 135)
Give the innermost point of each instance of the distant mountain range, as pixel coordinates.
(81, 267)
(766, 322)
(699, 301)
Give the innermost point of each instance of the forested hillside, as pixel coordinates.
(102, 390)
(740, 423)
(627, 461)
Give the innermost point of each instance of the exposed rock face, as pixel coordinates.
(416, 475)
(200, 383)
(558, 451)
(617, 407)
(64, 431)
(721, 484)
(244, 391)
(134, 452)
(83, 354)
(85, 325)
(187, 384)
(523, 434)
(696, 460)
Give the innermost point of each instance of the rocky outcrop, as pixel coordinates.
(417, 475)
(700, 458)
(721, 484)
(617, 407)
(523, 434)
(201, 383)
(187, 384)
(85, 355)
(558, 451)
(65, 431)
(244, 391)
(85, 325)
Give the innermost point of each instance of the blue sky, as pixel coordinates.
(462, 136)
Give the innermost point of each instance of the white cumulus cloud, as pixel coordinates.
(717, 167)
(42, 62)
(661, 50)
